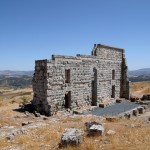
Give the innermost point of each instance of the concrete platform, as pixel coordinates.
(114, 109)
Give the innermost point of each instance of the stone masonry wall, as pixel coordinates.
(75, 82)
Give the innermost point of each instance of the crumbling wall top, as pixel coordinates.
(108, 47)
(54, 57)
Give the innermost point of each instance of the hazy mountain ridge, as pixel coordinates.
(16, 79)
(21, 79)
(16, 73)
(139, 72)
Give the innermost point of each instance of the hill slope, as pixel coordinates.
(15, 82)
(139, 72)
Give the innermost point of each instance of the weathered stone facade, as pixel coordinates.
(73, 82)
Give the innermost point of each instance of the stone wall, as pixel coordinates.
(76, 82)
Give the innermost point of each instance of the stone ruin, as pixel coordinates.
(68, 82)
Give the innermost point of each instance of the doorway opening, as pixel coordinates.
(68, 100)
(113, 92)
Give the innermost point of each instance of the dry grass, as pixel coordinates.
(126, 137)
(3, 143)
(18, 95)
(9, 100)
(140, 88)
(48, 137)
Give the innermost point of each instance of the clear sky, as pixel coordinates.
(36, 29)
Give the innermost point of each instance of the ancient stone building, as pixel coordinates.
(73, 82)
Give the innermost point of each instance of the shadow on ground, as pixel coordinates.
(25, 107)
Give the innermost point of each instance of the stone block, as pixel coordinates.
(128, 115)
(135, 112)
(72, 137)
(94, 128)
(102, 105)
(141, 110)
(118, 100)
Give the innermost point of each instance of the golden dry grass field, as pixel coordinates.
(140, 88)
(41, 134)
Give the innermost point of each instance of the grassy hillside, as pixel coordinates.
(139, 78)
(15, 82)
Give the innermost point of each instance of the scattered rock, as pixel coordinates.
(94, 128)
(16, 116)
(78, 112)
(144, 106)
(134, 99)
(26, 123)
(133, 125)
(128, 115)
(37, 114)
(146, 97)
(135, 112)
(9, 137)
(27, 113)
(118, 100)
(45, 118)
(141, 110)
(89, 124)
(72, 136)
(21, 105)
(102, 105)
(111, 132)
(15, 132)
(36, 125)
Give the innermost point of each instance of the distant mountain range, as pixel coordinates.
(16, 79)
(16, 73)
(15, 82)
(21, 79)
(139, 75)
(139, 72)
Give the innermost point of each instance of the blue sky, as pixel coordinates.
(36, 29)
